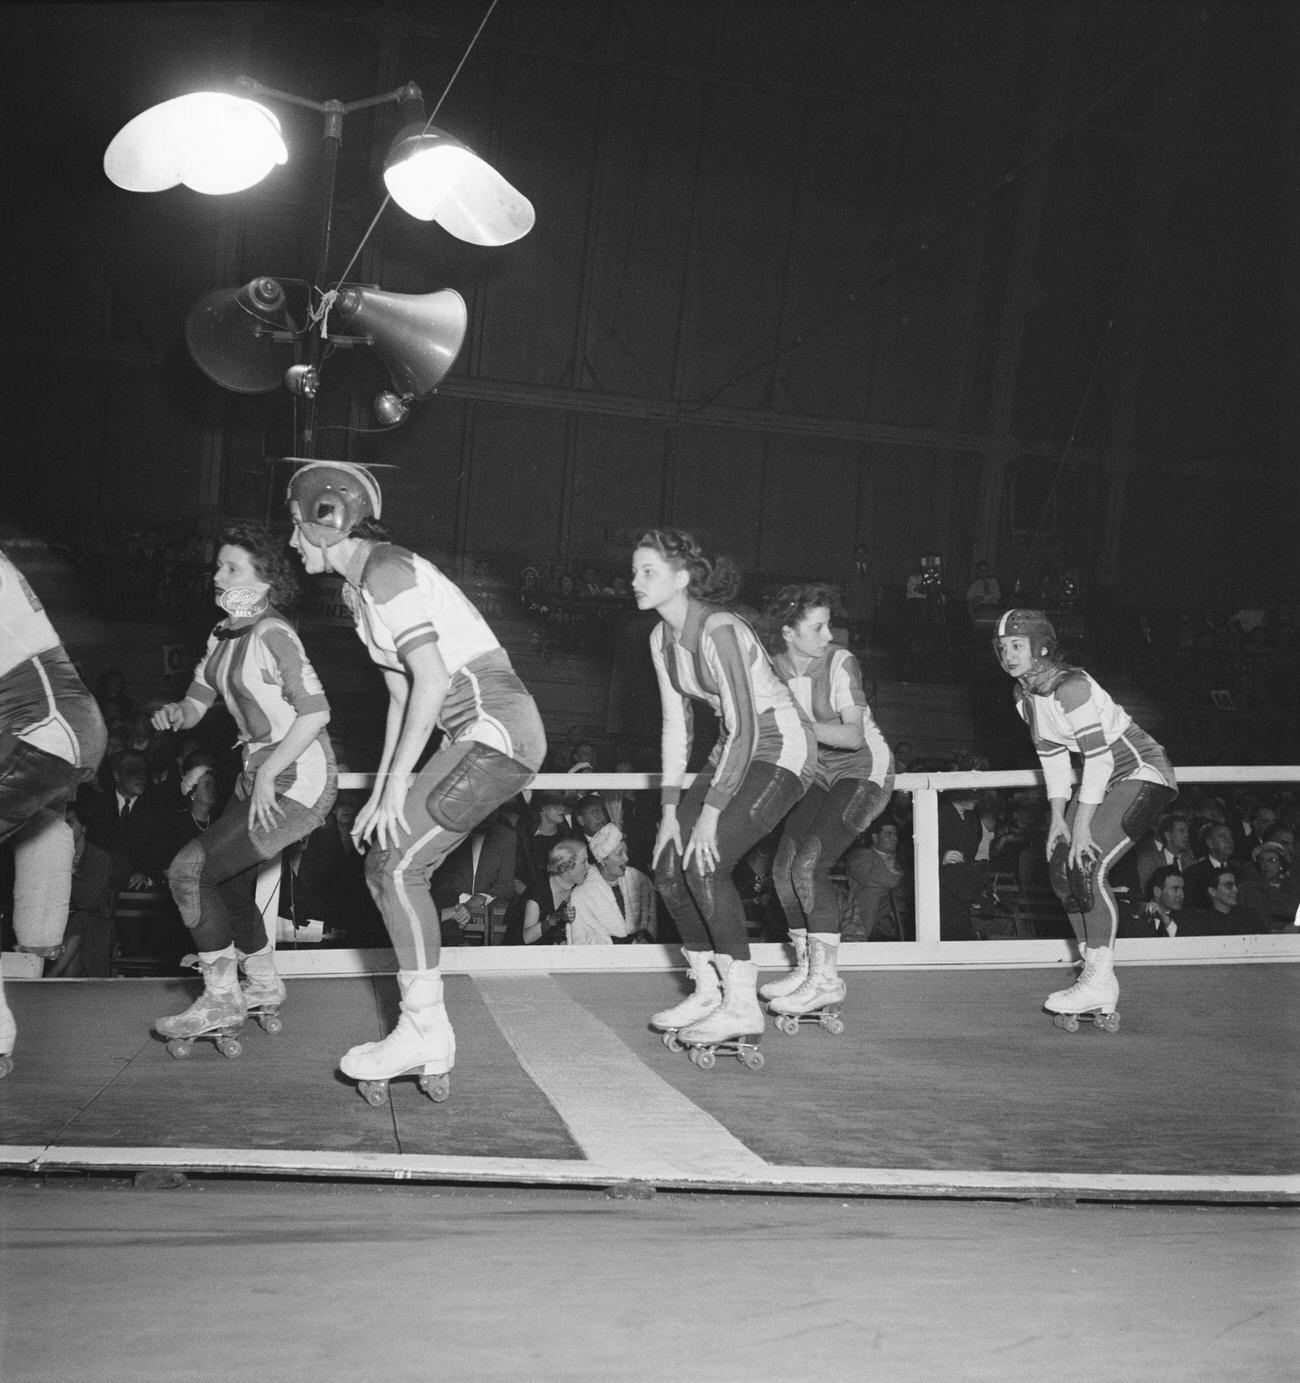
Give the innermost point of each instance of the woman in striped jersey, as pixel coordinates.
(855, 776)
(444, 669)
(256, 664)
(1126, 783)
(764, 759)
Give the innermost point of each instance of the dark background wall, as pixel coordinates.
(1015, 280)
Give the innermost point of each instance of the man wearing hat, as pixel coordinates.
(614, 903)
(1269, 887)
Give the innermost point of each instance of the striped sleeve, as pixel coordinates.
(201, 691)
(1075, 699)
(292, 671)
(1054, 758)
(677, 724)
(729, 660)
(846, 682)
(409, 613)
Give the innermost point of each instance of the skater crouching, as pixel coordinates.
(854, 780)
(1125, 785)
(256, 664)
(763, 761)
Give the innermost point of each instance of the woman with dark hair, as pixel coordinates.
(855, 776)
(545, 822)
(764, 759)
(443, 668)
(256, 664)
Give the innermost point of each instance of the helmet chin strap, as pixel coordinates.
(242, 602)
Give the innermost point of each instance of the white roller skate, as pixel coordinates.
(8, 1033)
(736, 1025)
(818, 999)
(263, 988)
(1095, 994)
(421, 1045)
(787, 984)
(217, 1013)
(704, 998)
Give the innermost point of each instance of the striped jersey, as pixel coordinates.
(42, 700)
(829, 686)
(261, 671)
(402, 602)
(718, 659)
(1079, 716)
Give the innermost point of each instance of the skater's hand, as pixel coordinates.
(669, 834)
(1057, 833)
(168, 717)
(703, 844)
(383, 818)
(1083, 849)
(263, 809)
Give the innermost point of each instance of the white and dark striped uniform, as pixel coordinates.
(829, 686)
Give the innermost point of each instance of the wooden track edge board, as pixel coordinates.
(826, 1181)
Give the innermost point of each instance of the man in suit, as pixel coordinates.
(132, 824)
(1162, 913)
(1170, 845)
(614, 903)
(1216, 856)
(481, 870)
(961, 876)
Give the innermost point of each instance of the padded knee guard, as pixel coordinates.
(867, 802)
(480, 779)
(783, 880)
(1081, 884)
(183, 877)
(1145, 809)
(670, 882)
(804, 873)
(1061, 876)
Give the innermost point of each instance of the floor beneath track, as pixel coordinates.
(950, 1083)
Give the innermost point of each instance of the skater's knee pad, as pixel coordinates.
(1082, 878)
(1058, 874)
(782, 873)
(183, 875)
(701, 890)
(1144, 811)
(31, 778)
(480, 779)
(804, 873)
(867, 802)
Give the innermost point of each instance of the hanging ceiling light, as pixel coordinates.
(210, 141)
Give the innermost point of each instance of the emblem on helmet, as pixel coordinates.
(334, 495)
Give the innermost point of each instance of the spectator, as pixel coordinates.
(1169, 845)
(478, 872)
(614, 903)
(131, 824)
(115, 705)
(1216, 855)
(1163, 909)
(547, 910)
(860, 595)
(546, 822)
(199, 793)
(590, 815)
(1221, 912)
(1269, 889)
(961, 878)
(880, 885)
(323, 893)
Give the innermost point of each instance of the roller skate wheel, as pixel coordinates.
(272, 1024)
(754, 1060)
(6, 1065)
(788, 1024)
(437, 1088)
(832, 1024)
(374, 1092)
(1067, 1022)
(671, 1042)
(180, 1050)
(1107, 1022)
(229, 1047)
(704, 1058)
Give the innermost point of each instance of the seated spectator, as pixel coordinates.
(323, 892)
(582, 758)
(961, 878)
(200, 804)
(614, 903)
(880, 885)
(1162, 910)
(477, 873)
(590, 815)
(1169, 845)
(1216, 856)
(546, 821)
(547, 910)
(131, 824)
(1221, 912)
(1269, 888)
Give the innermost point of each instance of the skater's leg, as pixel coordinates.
(220, 1006)
(43, 852)
(797, 826)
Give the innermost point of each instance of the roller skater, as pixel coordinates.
(1125, 785)
(855, 776)
(444, 669)
(255, 662)
(52, 738)
(758, 770)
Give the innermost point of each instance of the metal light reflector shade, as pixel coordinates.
(210, 141)
(434, 177)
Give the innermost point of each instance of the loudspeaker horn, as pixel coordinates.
(417, 335)
(242, 338)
